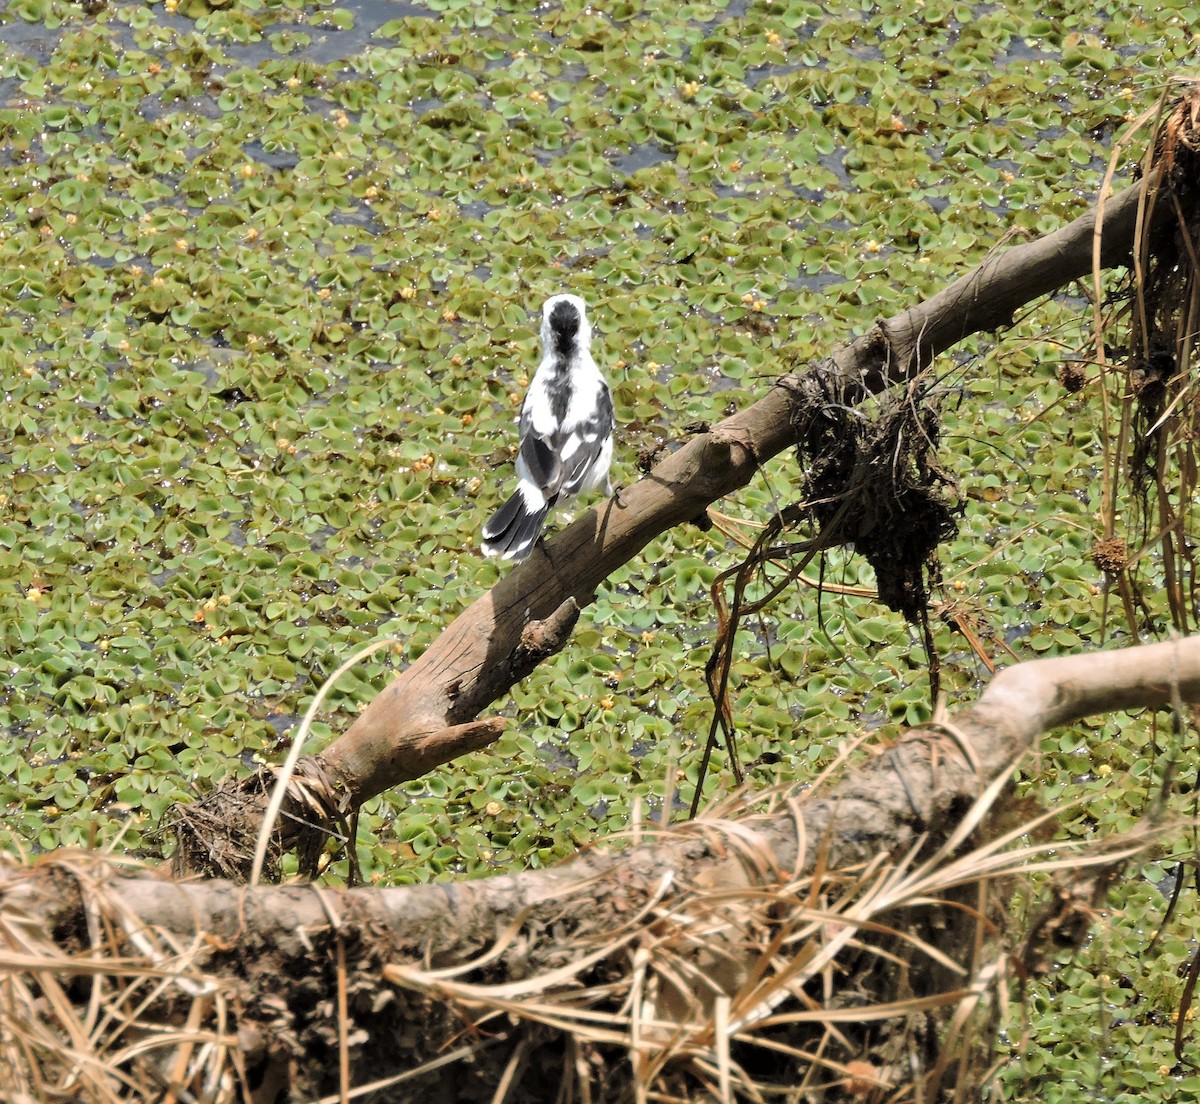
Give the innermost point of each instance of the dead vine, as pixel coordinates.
(873, 483)
(1151, 334)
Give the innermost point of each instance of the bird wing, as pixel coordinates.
(542, 463)
(579, 448)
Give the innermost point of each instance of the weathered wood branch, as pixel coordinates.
(867, 814)
(416, 722)
(273, 952)
(453, 680)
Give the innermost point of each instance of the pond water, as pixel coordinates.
(269, 278)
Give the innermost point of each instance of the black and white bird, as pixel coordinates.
(566, 432)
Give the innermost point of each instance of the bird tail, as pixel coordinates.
(512, 531)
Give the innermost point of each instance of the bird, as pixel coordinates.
(566, 432)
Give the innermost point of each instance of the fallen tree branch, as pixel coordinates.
(446, 685)
(414, 724)
(473, 949)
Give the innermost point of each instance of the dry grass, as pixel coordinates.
(128, 1014)
(760, 991)
(754, 984)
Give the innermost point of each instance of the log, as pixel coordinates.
(626, 966)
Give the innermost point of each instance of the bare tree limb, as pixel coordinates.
(416, 722)
(447, 684)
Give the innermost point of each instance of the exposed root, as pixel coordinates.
(1156, 440)
(216, 836)
(871, 483)
(876, 483)
(1166, 311)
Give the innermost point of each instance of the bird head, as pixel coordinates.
(565, 324)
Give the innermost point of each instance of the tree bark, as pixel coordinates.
(423, 971)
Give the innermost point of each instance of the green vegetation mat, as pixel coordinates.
(269, 275)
